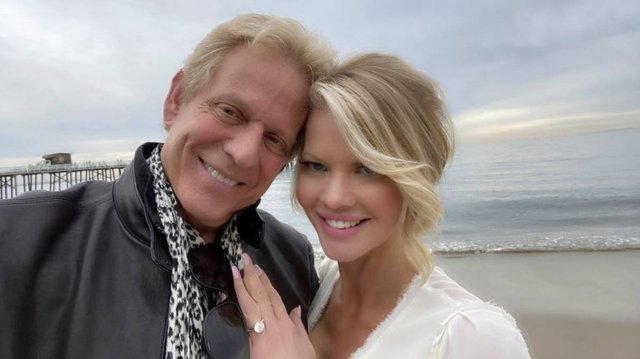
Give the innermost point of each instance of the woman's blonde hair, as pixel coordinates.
(394, 120)
(286, 36)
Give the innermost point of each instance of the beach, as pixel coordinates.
(568, 304)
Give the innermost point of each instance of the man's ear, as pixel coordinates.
(173, 102)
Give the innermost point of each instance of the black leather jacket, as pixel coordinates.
(83, 273)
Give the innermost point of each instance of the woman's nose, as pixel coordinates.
(338, 192)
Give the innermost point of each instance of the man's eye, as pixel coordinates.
(313, 166)
(276, 145)
(226, 112)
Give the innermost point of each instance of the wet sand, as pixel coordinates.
(567, 304)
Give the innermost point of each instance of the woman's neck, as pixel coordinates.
(375, 281)
(366, 293)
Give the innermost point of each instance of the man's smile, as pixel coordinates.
(219, 176)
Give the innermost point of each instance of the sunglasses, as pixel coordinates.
(224, 330)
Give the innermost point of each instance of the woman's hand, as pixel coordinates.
(284, 335)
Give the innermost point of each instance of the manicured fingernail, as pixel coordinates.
(245, 259)
(258, 269)
(298, 312)
(235, 272)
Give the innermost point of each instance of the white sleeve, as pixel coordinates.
(481, 334)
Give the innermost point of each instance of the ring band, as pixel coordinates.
(258, 327)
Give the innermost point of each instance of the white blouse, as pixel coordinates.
(438, 320)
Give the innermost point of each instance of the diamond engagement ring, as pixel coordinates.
(258, 327)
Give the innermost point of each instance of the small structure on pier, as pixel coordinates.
(58, 158)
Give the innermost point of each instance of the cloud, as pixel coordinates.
(522, 123)
(90, 77)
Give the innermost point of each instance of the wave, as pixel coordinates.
(542, 244)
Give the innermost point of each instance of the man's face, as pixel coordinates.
(227, 144)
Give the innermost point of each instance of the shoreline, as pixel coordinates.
(568, 304)
(463, 253)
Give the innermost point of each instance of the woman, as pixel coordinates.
(376, 143)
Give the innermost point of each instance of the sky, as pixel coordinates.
(90, 77)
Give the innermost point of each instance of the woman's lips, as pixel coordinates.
(341, 226)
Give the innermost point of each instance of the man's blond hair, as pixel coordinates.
(285, 36)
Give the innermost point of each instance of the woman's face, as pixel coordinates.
(354, 210)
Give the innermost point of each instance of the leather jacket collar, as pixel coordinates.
(135, 206)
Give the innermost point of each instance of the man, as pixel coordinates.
(106, 270)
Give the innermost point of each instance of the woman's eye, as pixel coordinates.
(366, 171)
(313, 166)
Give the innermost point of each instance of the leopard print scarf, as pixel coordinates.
(188, 302)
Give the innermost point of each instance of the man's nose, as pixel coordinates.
(245, 145)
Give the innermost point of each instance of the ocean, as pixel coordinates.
(577, 192)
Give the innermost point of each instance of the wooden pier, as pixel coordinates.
(55, 177)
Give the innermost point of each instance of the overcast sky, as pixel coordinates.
(89, 77)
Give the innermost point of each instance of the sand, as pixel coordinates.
(567, 304)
